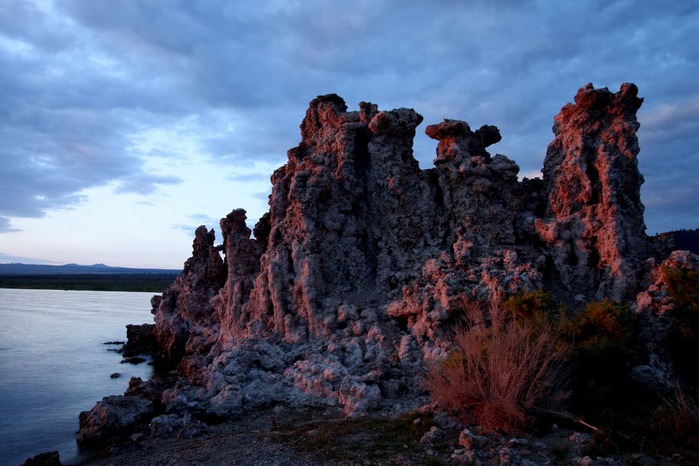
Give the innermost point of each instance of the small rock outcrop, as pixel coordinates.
(668, 327)
(140, 339)
(50, 458)
(113, 417)
(351, 281)
(655, 298)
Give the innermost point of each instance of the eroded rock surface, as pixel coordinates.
(51, 458)
(593, 224)
(364, 261)
(112, 417)
(666, 321)
(140, 339)
(185, 319)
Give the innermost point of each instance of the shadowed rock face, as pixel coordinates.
(113, 416)
(185, 320)
(364, 260)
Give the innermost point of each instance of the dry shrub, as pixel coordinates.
(675, 422)
(681, 414)
(498, 376)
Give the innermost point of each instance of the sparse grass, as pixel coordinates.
(675, 422)
(498, 375)
(372, 439)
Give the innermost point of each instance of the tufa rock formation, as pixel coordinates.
(364, 261)
(593, 223)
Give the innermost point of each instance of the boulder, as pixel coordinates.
(140, 339)
(50, 458)
(114, 417)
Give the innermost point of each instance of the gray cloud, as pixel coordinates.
(79, 81)
(5, 226)
(9, 258)
(143, 183)
(669, 140)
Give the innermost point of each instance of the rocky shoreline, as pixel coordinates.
(320, 437)
(352, 286)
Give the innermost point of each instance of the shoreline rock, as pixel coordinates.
(314, 437)
(50, 458)
(114, 416)
(140, 339)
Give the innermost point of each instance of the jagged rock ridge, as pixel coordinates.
(364, 261)
(363, 258)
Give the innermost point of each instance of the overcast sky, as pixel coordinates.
(126, 124)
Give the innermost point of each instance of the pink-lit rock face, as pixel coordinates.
(655, 297)
(593, 224)
(364, 261)
(656, 310)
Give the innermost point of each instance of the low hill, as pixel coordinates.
(36, 269)
(686, 240)
(96, 277)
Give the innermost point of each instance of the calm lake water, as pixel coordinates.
(54, 364)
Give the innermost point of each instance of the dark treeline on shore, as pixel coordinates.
(155, 282)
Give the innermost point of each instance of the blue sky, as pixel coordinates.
(125, 125)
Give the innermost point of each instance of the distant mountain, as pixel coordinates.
(684, 240)
(687, 239)
(73, 269)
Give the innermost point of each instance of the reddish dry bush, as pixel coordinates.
(499, 375)
(674, 424)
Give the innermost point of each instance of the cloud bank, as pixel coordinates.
(99, 93)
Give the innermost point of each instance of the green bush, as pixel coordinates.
(683, 287)
(529, 304)
(602, 336)
(683, 341)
